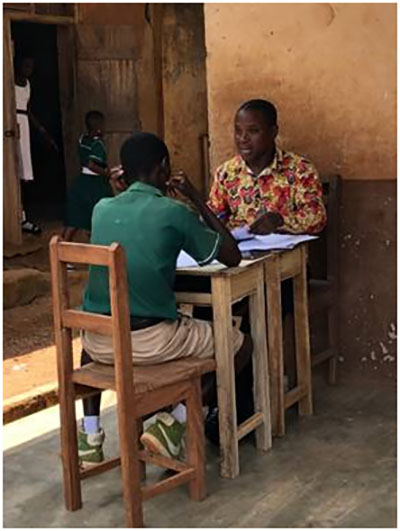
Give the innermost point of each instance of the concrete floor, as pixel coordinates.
(334, 469)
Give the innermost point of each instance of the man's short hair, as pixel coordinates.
(92, 116)
(265, 107)
(140, 153)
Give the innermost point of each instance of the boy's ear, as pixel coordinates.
(164, 165)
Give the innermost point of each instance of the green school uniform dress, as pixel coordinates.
(89, 187)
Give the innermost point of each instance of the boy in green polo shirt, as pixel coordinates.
(153, 229)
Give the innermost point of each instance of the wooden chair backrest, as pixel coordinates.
(65, 318)
(324, 253)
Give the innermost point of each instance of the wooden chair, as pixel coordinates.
(324, 282)
(140, 391)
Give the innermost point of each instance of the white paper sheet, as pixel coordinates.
(185, 260)
(242, 233)
(271, 242)
(274, 242)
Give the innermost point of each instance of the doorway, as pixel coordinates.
(45, 197)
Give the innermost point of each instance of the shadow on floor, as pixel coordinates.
(334, 469)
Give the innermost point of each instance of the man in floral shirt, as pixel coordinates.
(270, 189)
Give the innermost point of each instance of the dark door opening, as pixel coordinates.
(43, 199)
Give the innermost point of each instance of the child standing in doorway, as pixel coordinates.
(92, 184)
(23, 70)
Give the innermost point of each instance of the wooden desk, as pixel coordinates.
(280, 266)
(229, 285)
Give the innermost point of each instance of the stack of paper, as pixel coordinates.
(274, 242)
(252, 242)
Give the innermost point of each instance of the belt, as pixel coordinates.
(22, 111)
(86, 171)
(140, 323)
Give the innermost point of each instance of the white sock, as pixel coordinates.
(91, 424)
(179, 413)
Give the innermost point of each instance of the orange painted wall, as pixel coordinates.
(329, 68)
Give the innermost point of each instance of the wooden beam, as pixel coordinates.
(250, 424)
(198, 299)
(167, 484)
(102, 467)
(12, 233)
(101, 324)
(295, 395)
(39, 19)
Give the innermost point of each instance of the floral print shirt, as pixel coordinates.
(289, 186)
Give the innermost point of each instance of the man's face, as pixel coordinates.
(27, 66)
(254, 137)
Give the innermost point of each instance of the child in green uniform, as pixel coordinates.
(92, 184)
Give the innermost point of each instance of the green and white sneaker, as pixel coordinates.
(165, 436)
(90, 446)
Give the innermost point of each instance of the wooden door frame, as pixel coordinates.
(12, 233)
(64, 22)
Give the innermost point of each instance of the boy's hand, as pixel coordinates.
(179, 182)
(117, 181)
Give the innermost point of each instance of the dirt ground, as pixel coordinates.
(28, 337)
(30, 327)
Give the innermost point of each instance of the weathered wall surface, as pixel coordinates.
(329, 68)
(184, 86)
(117, 47)
(368, 281)
(331, 71)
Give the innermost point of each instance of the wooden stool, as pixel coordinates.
(278, 267)
(227, 286)
(140, 392)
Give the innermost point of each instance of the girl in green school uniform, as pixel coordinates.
(92, 184)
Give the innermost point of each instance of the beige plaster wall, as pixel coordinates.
(329, 68)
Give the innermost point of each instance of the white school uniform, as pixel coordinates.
(22, 96)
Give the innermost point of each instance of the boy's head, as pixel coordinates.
(256, 126)
(145, 157)
(95, 121)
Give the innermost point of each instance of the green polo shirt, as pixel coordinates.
(153, 229)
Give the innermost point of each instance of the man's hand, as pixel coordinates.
(179, 182)
(266, 223)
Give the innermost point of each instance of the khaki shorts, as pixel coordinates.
(165, 341)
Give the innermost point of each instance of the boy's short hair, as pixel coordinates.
(266, 108)
(91, 116)
(140, 153)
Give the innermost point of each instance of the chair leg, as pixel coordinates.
(69, 447)
(195, 441)
(333, 332)
(139, 427)
(130, 465)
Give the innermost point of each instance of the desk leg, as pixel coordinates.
(302, 334)
(221, 302)
(275, 344)
(260, 365)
